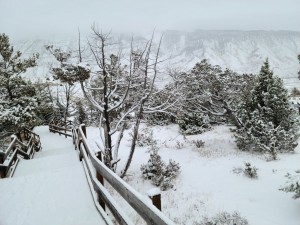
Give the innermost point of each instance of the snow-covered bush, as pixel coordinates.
(193, 123)
(179, 145)
(224, 218)
(293, 184)
(199, 143)
(158, 172)
(269, 122)
(145, 138)
(250, 171)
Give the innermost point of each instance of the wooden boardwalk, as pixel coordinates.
(50, 189)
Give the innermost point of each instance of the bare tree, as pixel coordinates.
(118, 92)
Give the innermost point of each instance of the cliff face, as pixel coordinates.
(242, 51)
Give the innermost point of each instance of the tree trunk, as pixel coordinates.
(134, 138)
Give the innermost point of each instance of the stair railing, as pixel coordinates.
(98, 172)
(23, 144)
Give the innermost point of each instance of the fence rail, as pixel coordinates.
(23, 144)
(99, 173)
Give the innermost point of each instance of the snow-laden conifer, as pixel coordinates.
(18, 100)
(269, 122)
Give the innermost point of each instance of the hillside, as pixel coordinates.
(242, 51)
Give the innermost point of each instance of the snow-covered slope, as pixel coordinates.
(242, 51)
(208, 183)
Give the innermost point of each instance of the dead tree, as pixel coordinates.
(117, 92)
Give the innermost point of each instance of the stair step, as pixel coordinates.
(50, 163)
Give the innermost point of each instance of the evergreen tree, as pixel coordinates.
(47, 106)
(269, 123)
(208, 94)
(18, 100)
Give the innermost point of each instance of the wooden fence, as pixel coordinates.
(23, 144)
(99, 173)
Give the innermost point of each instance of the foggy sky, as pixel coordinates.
(42, 18)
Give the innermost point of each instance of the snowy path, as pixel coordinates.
(49, 189)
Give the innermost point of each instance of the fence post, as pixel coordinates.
(155, 196)
(84, 129)
(2, 173)
(80, 150)
(101, 180)
(78, 139)
(1, 159)
(14, 145)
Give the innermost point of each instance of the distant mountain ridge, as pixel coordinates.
(241, 51)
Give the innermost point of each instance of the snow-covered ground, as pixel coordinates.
(52, 188)
(49, 189)
(207, 184)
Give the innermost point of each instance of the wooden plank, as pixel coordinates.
(115, 209)
(11, 146)
(14, 168)
(60, 128)
(101, 180)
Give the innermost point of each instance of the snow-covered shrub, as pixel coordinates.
(194, 123)
(154, 167)
(250, 171)
(171, 171)
(158, 172)
(224, 218)
(179, 145)
(145, 138)
(199, 143)
(293, 184)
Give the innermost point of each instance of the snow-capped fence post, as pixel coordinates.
(101, 180)
(14, 143)
(155, 196)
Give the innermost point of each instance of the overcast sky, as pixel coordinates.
(34, 18)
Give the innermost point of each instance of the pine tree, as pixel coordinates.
(269, 121)
(18, 97)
